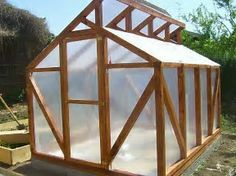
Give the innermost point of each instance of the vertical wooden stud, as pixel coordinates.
(160, 121)
(198, 105)
(103, 89)
(167, 33)
(209, 102)
(128, 22)
(182, 107)
(64, 98)
(150, 29)
(179, 36)
(30, 113)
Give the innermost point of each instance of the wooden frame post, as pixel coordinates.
(30, 104)
(64, 98)
(219, 99)
(182, 107)
(197, 83)
(209, 102)
(103, 89)
(160, 121)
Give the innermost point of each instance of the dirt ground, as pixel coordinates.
(222, 162)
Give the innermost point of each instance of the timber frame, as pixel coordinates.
(157, 84)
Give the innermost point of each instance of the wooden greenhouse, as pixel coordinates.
(117, 94)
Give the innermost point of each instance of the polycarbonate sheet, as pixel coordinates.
(84, 132)
(145, 30)
(121, 24)
(81, 26)
(82, 70)
(190, 108)
(91, 16)
(51, 60)
(126, 87)
(138, 17)
(45, 142)
(164, 51)
(111, 10)
(204, 107)
(138, 154)
(119, 54)
(50, 88)
(157, 23)
(215, 106)
(172, 147)
(171, 77)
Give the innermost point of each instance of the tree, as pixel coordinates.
(217, 40)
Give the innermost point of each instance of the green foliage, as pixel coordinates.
(217, 41)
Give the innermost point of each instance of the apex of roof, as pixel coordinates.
(154, 7)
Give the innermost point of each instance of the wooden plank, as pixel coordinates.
(88, 102)
(122, 42)
(173, 118)
(30, 112)
(150, 29)
(104, 120)
(49, 69)
(63, 34)
(121, 16)
(167, 34)
(128, 22)
(209, 102)
(182, 165)
(161, 28)
(64, 99)
(177, 34)
(81, 35)
(46, 112)
(132, 118)
(144, 23)
(129, 65)
(219, 99)
(153, 12)
(197, 85)
(160, 122)
(215, 96)
(182, 107)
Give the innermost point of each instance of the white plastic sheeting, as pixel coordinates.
(50, 88)
(164, 51)
(45, 142)
(82, 70)
(119, 54)
(172, 147)
(138, 153)
(51, 60)
(84, 132)
(190, 108)
(204, 107)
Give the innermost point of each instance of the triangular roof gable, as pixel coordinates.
(96, 26)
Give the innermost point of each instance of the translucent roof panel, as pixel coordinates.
(165, 52)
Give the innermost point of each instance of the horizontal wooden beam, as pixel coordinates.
(153, 12)
(49, 69)
(133, 118)
(129, 65)
(88, 102)
(81, 35)
(47, 113)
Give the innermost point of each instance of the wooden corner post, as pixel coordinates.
(64, 98)
(160, 121)
(209, 102)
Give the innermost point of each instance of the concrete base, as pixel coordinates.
(56, 169)
(202, 158)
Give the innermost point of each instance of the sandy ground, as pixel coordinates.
(12, 125)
